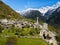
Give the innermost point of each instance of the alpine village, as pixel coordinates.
(29, 28)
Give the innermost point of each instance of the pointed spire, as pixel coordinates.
(37, 20)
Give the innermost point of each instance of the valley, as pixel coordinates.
(31, 26)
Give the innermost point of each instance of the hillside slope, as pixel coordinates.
(54, 19)
(7, 12)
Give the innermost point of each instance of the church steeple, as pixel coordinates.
(37, 20)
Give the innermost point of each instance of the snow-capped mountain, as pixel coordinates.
(27, 11)
(51, 10)
(56, 5)
(54, 18)
(32, 13)
(42, 10)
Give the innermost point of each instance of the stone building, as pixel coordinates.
(48, 35)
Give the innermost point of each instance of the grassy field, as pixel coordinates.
(25, 41)
(31, 41)
(2, 41)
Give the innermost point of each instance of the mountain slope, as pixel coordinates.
(33, 14)
(54, 19)
(51, 9)
(7, 12)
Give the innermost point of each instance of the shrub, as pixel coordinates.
(11, 41)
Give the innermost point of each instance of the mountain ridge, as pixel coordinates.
(43, 10)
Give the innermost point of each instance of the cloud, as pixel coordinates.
(18, 11)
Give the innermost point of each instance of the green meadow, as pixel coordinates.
(25, 41)
(31, 41)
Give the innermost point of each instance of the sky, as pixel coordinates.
(24, 4)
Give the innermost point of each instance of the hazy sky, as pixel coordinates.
(24, 4)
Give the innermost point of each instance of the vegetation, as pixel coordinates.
(7, 12)
(53, 29)
(21, 32)
(22, 41)
(31, 41)
(2, 40)
(11, 41)
(54, 23)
